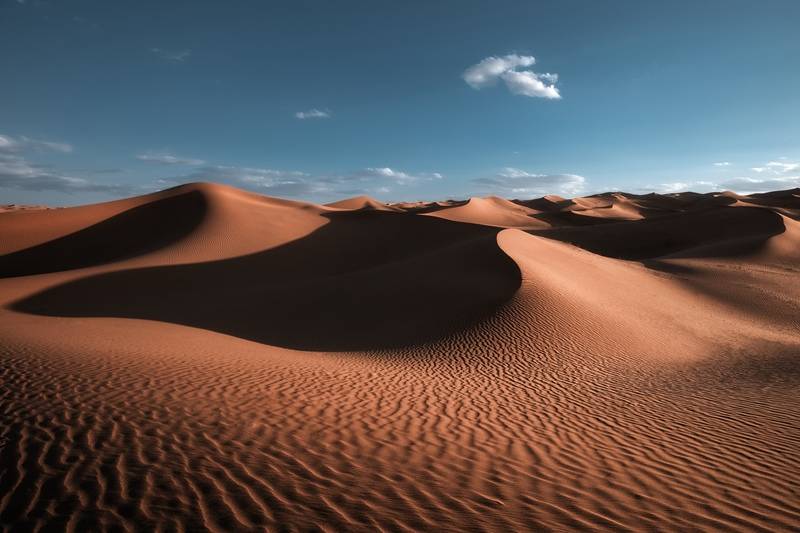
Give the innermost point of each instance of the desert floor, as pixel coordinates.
(204, 358)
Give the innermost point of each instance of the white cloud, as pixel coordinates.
(386, 173)
(782, 167)
(524, 82)
(516, 182)
(684, 186)
(168, 159)
(777, 167)
(176, 56)
(487, 72)
(312, 113)
(722, 164)
(529, 83)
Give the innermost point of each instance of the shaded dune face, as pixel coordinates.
(675, 233)
(365, 280)
(134, 232)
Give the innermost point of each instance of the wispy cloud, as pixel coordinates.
(773, 175)
(312, 113)
(10, 144)
(778, 174)
(748, 184)
(175, 56)
(777, 167)
(18, 172)
(387, 174)
(165, 158)
(782, 167)
(515, 182)
(264, 180)
(507, 68)
(296, 183)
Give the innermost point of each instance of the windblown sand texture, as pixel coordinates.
(205, 358)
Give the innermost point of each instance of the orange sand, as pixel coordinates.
(209, 359)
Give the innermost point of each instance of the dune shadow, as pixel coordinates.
(668, 268)
(433, 207)
(719, 231)
(137, 231)
(365, 280)
(571, 219)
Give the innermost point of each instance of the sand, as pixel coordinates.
(204, 358)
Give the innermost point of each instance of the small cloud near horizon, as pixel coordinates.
(487, 72)
(722, 164)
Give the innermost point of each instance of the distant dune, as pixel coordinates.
(205, 358)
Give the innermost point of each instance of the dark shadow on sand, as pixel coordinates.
(137, 231)
(364, 281)
(719, 231)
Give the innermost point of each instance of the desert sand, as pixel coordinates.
(205, 358)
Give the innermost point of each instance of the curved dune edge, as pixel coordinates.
(621, 307)
(355, 281)
(226, 222)
(784, 247)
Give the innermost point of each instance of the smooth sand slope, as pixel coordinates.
(204, 358)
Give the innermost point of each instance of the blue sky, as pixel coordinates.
(399, 100)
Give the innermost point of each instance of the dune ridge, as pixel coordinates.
(205, 358)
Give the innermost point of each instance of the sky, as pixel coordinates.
(403, 101)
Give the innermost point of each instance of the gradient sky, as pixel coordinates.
(399, 100)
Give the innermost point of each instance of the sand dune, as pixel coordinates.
(364, 203)
(205, 358)
(491, 211)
